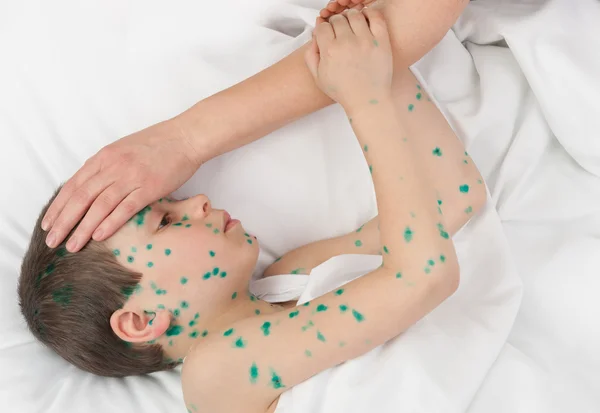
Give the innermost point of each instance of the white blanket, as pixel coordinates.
(76, 75)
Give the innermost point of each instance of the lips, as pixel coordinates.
(226, 219)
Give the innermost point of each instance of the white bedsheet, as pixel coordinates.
(76, 75)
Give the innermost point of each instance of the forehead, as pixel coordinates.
(141, 225)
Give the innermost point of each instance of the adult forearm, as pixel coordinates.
(254, 107)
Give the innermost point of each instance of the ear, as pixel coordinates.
(138, 326)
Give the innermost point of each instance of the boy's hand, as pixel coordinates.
(339, 6)
(351, 59)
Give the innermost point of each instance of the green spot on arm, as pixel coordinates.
(253, 373)
(408, 234)
(358, 316)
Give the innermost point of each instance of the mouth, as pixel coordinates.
(228, 222)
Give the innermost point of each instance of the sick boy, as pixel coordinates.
(172, 284)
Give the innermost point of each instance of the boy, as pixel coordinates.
(173, 282)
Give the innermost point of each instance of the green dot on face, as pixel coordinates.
(216, 231)
(253, 373)
(160, 306)
(376, 43)
(161, 292)
(360, 229)
(419, 96)
(293, 314)
(339, 292)
(228, 332)
(223, 274)
(206, 276)
(408, 234)
(419, 87)
(437, 152)
(371, 169)
(204, 333)
(249, 241)
(116, 253)
(427, 270)
(194, 334)
(358, 316)
(468, 210)
(464, 189)
(150, 264)
(234, 295)
(211, 253)
(177, 224)
(185, 218)
(183, 280)
(321, 308)
(343, 308)
(130, 259)
(358, 243)
(320, 336)
(176, 312)
(167, 252)
(411, 107)
(439, 201)
(239, 343)
(127, 291)
(431, 262)
(174, 331)
(442, 258)
(133, 249)
(386, 250)
(398, 275)
(257, 312)
(149, 247)
(184, 304)
(215, 270)
(188, 225)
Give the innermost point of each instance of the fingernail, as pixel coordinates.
(72, 244)
(51, 240)
(97, 234)
(46, 224)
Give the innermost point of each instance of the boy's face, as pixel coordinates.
(190, 255)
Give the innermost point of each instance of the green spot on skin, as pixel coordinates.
(277, 259)
(320, 336)
(185, 218)
(339, 292)
(116, 253)
(321, 308)
(411, 107)
(240, 343)
(442, 258)
(194, 334)
(137, 289)
(249, 241)
(133, 249)
(373, 101)
(266, 328)
(188, 225)
(62, 296)
(479, 181)
(167, 252)
(427, 270)
(150, 264)
(443, 232)
(177, 224)
(192, 323)
(276, 380)
(413, 215)
(160, 200)
(160, 306)
(437, 152)
(208, 225)
(306, 304)
(376, 43)
(386, 250)
(184, 304)
(398, 275)
(174, 331)
(343, 308)
(211, 253)
(130, 259)
(183, 280)
(252, 298)
(308, 353)
(257, 312)
(439, 201)
(408, 234)
(140, 216)
(465, 162)
(358, 316)
(253, 373)
(360, 229)
(228, 332)
(223, 274)
(204, 333)
(149, 247)
(293, 314)
(308, 325)
(371, 169)
(419, 96)
(161, 292)
(468, 210)
(464, 189)
(342, 343)
(419, 87)
(176, 312)
(350, 119)
(216, 231)
(234, 295)
(61, 252)
(153, 285)
(366, 148)
(431, 262)
(127, 291)
(358, 243)
(206, 276)
(297, 271)
(215, 270)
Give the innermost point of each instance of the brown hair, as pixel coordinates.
(68, 299)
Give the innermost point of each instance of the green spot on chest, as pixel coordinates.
(253, 373)
(234, 295)
(174, 331)
(366, 148)
(320, 337)
(150, 264)
(149, 247)
(293, 314)
(408, 234)
(184, 304)
(139, 218)
(167, 252)
(464, 189)
(266, 328)
(375, 42)
(343, 308)
(431, 262)
(63, 296)
(204, 333)
(183, 280)
(276, 380)
(411, 107)
(206, 276)
(427, 270)
(358, 243)
(133, 249)
(240, 343)
(228, 332)
(468, 210)
(308, 353)
(442, 258)
(211, 253)
(398, 275)
(419, 96)
(257, 312)
(358, 316)
(386, 250)
(321, 308)
(339, 292)
(443, 232)
(437, 152)
(297, 271)
(215, 270)
(194, 334)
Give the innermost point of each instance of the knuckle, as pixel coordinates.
(106, 201)
(82, 196)
(129, 207)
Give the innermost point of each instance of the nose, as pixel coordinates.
(198, 206)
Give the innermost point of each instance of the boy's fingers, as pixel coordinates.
(377, 24)
(340, 25)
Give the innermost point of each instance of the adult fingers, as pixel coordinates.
(341, 27)
(377, 25)
(359, 25)
(324, 35)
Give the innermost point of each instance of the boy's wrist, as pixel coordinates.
(370, 108)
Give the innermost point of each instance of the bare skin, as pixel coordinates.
(136, 170)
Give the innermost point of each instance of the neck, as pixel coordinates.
(244, 306)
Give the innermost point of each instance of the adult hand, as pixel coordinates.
(339, 6)
(121, 179)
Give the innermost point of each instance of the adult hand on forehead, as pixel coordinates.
(339, 6)
(121, 179)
